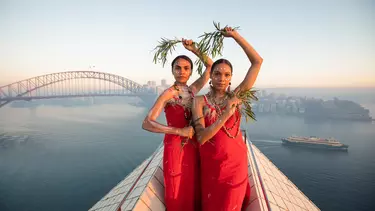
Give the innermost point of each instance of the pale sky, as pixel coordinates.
(329, 43)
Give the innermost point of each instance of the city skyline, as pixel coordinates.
(313, 44)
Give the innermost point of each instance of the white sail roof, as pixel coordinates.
(143, 189)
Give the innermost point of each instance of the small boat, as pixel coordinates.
(12, 140)
(143, 188)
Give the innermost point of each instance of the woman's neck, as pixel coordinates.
(218, 93)
(179, 84)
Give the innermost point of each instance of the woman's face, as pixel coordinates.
(181, 70)
(221, 76)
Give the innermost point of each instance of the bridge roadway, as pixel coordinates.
(74, 84)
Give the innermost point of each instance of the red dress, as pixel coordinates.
(180, 163)
(224, 166)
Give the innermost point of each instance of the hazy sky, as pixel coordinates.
(303, 43)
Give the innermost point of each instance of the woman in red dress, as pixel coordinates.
(223, 153)
(181, 155)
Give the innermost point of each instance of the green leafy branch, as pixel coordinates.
(212, 43)
(167, 46)
(161, 51)
(200, 64)
(247, 97)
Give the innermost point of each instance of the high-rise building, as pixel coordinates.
(163, 82)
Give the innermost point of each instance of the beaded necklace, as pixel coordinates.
(218, 107)
(187, 110)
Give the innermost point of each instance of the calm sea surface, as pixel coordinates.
(75, 155)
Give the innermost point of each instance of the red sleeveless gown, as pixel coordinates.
(224, 166)
(180, 164)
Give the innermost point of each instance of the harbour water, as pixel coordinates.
(73, 156)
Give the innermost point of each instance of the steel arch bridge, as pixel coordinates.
(72, 84)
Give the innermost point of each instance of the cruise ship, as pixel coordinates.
(315, 142)
(143, 188)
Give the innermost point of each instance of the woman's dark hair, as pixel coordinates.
(221, 61)
(183, 57)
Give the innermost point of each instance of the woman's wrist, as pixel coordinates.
(236, 36)
(177, 131)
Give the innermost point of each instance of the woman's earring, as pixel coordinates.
(210, 82)
(229, 86)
